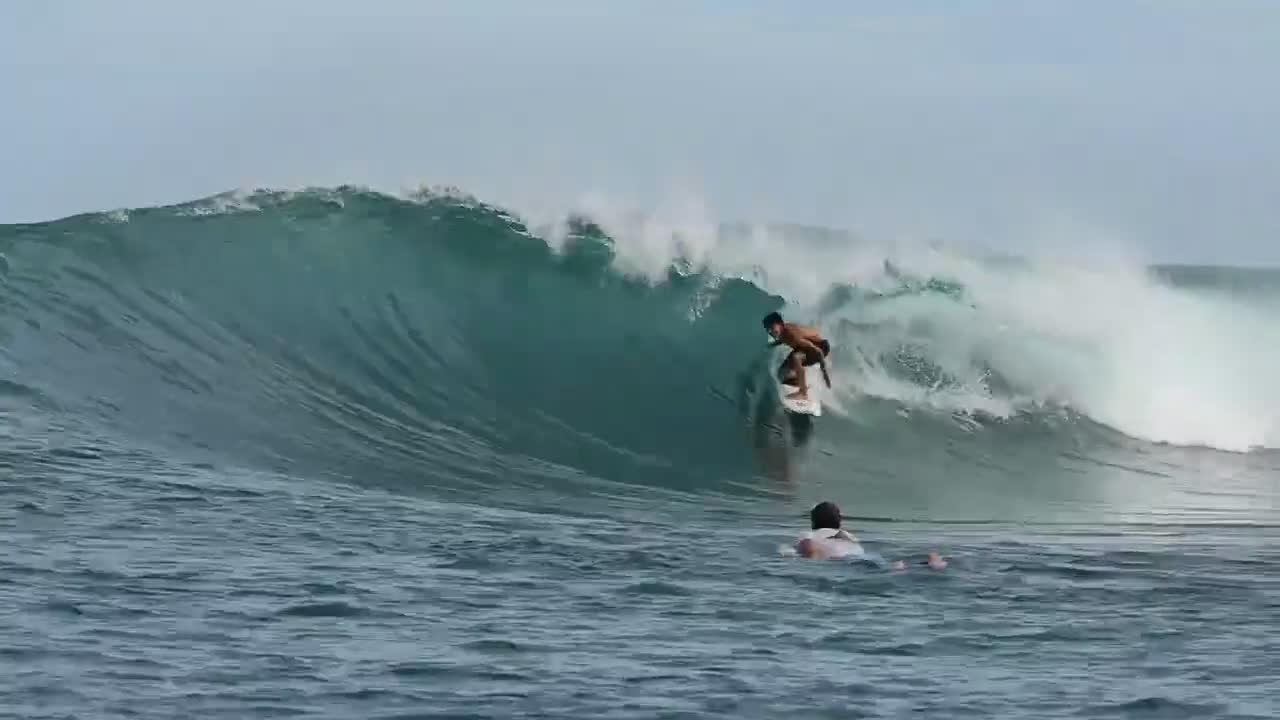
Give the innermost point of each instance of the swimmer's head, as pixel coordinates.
(824, 515)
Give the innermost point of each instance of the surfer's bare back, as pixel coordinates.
(808, 347)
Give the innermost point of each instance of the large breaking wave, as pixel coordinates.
(348, 332)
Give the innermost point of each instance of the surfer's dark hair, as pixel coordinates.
(771, 319)
(824, 515)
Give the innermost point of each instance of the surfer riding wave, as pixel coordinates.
(808, 348)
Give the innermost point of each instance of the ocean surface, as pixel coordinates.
(341, 454)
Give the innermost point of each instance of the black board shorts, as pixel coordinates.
(809, 358)
(812, 358)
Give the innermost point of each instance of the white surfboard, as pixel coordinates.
(808, 406)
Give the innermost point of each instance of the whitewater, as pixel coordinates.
(341, 453)
(1143, 350)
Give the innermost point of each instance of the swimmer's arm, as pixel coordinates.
(803, 547)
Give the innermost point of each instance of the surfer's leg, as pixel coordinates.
(795, 364)
(786, 371)
(799, 360)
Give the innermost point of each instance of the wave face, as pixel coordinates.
(354, 333)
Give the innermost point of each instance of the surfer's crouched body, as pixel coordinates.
(808, 347)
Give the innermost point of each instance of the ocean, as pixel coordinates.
(341, 454)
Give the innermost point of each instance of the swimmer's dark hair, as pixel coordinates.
(824, 515)
(771, 319)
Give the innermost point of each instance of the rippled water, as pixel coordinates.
(132, 589)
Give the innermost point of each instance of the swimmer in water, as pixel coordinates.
(827, 540)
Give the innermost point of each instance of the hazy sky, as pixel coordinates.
(1018, 125)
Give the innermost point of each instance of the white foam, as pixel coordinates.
(227, 203)
(1103, 336)
(1153, 361)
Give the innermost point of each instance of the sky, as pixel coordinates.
(1019, 126)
